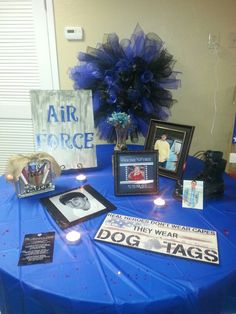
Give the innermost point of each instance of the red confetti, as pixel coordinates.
(226, 232)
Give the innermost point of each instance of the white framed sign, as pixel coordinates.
(64, 126)
(182, 241)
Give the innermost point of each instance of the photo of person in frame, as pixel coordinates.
(163, 148)
(169, 146)
(136, 173)
(76, 204)
(71, 207)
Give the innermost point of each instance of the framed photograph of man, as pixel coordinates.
(136, 172)
(172, 142)
(71, 207)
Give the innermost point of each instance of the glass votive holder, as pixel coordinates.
(73, 237)
(81, 178)
(160, 202)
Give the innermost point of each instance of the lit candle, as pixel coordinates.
(73, 237)
(81, 178)
(9, 177)
(160, 202)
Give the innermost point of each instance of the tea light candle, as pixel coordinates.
(73, 237)
(81, 178)
(160, 202)
(9, 177)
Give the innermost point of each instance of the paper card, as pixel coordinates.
(181, 241)
(192, 194)
(37, 249)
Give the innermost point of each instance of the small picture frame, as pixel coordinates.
(35, 178)
(135, 172)
(172, 141)
(74, 206)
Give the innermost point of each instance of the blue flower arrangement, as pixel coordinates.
(119, 119)
(132, 76)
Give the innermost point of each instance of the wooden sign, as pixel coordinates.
(160, 237)
(64, 126)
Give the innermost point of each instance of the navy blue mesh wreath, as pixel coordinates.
(132, 76)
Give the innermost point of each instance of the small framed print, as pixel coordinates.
(136, 172)
(172, 141)
(72, 207)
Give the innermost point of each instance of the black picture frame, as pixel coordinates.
(62, 208)
(179, 137)
(135, 172)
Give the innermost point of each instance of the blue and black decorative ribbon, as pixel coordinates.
(132, 75)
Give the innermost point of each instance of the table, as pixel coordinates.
(97, 277)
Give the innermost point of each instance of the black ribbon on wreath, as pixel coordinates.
(131, 76)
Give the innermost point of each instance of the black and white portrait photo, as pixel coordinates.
(74, 206)
(77, 204)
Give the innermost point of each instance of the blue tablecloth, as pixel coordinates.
(97, 277)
